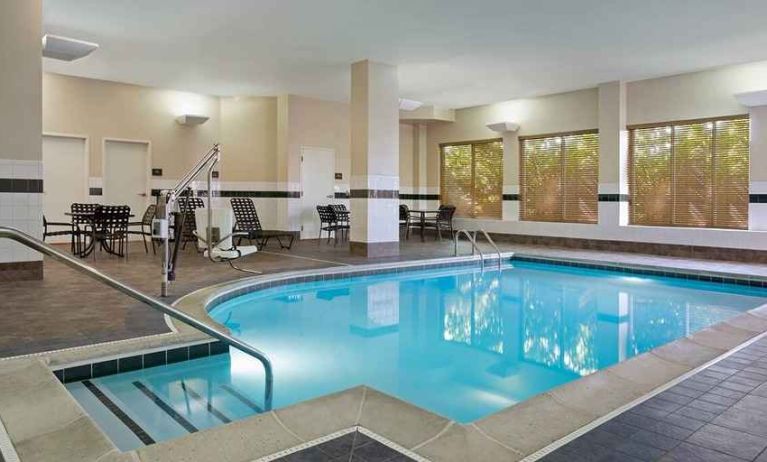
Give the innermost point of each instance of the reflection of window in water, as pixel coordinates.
(474, 315)
(560, 326)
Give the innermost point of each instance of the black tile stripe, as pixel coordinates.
(242, 398)
(165, 407)
(208, 405)
(613, 197)
(419, 197)
(95, 191)
(511, 197)
(236, 193)
(119, 413)
(757, 198)
(21, 185)
(374, 194)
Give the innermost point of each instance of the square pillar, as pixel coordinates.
(613, 155)
(375, 160)
(757, 207)
(21, 169)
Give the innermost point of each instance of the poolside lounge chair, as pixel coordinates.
(145, 227)
(50, 233)
(443, 221)
(246, 221)
(187, 207)
(331, 223)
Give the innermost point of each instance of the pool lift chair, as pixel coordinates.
(217, 248)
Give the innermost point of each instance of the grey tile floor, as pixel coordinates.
(717, 415)
(352, 447)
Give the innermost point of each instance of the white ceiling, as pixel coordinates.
(454, 53)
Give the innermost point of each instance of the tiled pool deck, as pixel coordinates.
(720, 413)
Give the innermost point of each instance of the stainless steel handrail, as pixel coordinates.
(492, 243)
(473, 246)
(40, 246)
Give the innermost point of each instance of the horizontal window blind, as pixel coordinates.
(471, 178)
(693, 173)
(559, 177)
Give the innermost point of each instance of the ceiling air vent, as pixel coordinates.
(66, 49)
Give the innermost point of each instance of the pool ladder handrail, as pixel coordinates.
(38, 245)
(472, 237)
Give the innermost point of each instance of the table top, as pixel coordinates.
(424, 211)
(87, 214)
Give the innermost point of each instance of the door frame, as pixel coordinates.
(301, 149)
(86, 157)
(147, 170)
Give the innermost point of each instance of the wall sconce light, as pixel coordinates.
(502, 127)
(191, 119)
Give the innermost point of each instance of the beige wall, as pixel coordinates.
(318, 123)
(695, 95)
(101, 109)
(249, 139)
(407, 160)
(577, 110)
(20, 69)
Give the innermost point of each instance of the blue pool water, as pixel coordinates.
(461, 343)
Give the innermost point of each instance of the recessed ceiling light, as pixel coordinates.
(66, 49)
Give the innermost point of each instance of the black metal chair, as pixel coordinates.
(247, 222)
(329, 223)
(47, 232)
(342, 218)
(145, 227)
(82, 227)
(404, 217)
(442, 221)
(111, 228)
(187, 207)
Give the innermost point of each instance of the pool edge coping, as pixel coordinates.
(716, 343)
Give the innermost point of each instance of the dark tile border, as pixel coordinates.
(419, 197)
(757, 198)
(140, 361)
(140, 433)
(374, 194)
(511, 197)
(95, 191)
(236, 193)
(21, 185)
(613, 197)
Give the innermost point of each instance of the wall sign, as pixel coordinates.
(339, 176)
(156, 172)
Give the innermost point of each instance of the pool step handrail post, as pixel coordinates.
(46, 249)
(491, 242)
(473, 246)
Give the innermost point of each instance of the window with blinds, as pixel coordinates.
(471, 178)
(559, 177)
(691, 173)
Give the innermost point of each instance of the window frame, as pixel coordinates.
(522, 139)
(471, 143)
(630, 128)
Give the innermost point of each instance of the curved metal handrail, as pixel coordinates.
(491, 242)
(473, 246)
(40, 246)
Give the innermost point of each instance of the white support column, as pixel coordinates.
(375, 160)
(757, 210)
(511, 176)
(613, 155)
(21, 169)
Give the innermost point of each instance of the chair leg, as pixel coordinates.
(319, 238)
(143, 238)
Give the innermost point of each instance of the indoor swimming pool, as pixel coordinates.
(457, 341)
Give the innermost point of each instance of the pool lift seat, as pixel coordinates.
(222, 248)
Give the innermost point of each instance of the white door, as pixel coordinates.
(126, 167)
(318, 166)
(65, 178)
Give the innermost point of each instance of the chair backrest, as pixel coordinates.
(82, 208)
(111, 217)
(327, 215)
(446, 212)
(245, 215)
(149, 215)
(188, 204)
(404, 211)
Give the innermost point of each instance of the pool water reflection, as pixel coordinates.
(462, 343)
